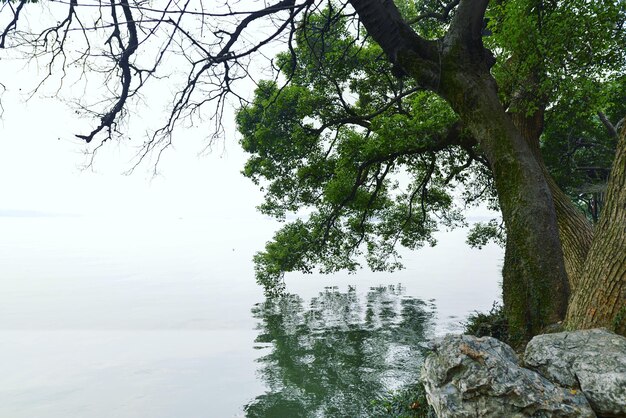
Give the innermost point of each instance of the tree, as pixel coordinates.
(600, 298)
(271, 125)
(437, 55)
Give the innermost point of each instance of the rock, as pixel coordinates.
(466, 376)
(593, 361)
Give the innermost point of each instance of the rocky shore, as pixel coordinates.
(567, 374)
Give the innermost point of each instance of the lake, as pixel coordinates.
(161, 317)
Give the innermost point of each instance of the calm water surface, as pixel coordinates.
(103, 317)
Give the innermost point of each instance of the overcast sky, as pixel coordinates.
(41, 161)
(41, 168)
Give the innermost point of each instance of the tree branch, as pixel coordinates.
(409, 52)
(13, 23)
(468, 21)
(609, 126)
(441, 16)
(466, 31)
(108, 119)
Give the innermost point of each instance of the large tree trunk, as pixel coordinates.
(535, 286)
(600, 299)
(575, 231)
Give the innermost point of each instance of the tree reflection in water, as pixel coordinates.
(336, 356)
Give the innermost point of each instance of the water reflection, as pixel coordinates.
(333, 357)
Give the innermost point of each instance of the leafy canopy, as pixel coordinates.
(369, 160)
(368, 157)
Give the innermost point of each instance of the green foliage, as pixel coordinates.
(360, 157)
(564, 47)
(491, 324)
(577, 146)
(569, 58)
(407, 403)
(482, 233)
(362, 153)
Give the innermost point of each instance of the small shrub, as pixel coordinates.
(407, 403)
(490, 324)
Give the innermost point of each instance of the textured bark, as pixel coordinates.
(600, 299)
(535, 286)
(575, 231)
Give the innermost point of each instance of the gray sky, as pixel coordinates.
(41, 160)
(41, 168)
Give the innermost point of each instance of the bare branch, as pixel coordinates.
(108, 119)
(13, 23)
(4, 88)
(609, 126)
(227, 59)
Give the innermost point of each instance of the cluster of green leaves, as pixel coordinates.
(569, 58)
(484, 232)
(362, 155)
(407, 403)
(489, 324)
(556, 49)
(577, 146)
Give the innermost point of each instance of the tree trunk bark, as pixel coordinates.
(575, 231)
(600, 299)
(535, 286)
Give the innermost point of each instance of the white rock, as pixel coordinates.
(593, 361)
(466, 376)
